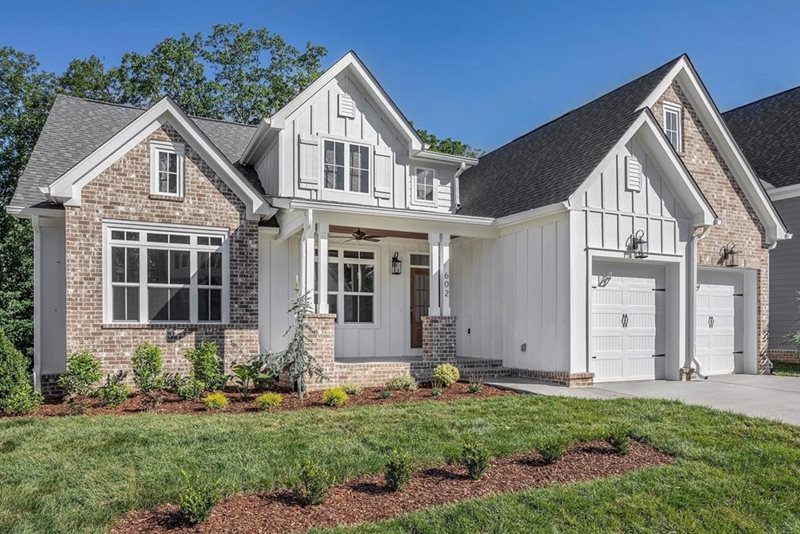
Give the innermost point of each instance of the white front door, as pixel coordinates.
(718, 319)
(628, 322)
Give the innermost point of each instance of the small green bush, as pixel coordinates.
(334, 396)
(146, 361)
(215, 401)
(476, 387)
(83, 372)
(619, 437)
(552, 450)
(353, 389)
(22, 400)
(13, 367)
(115, 391)
(445, 375)
(188, 388)
(207, 365)
(197, 500)
(386, 394)
(269, 400)
(251, 376)
(313, 483)
(476, 459)
(401, 383)
(398, 470)
(436, 391)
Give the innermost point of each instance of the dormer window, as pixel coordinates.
(166, 169)
(346, 166)
(672, 125)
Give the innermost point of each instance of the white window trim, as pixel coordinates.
(670, 107)
(346, 142)
(422, 202)
(143, 228)
(157, 147)
(339, 261)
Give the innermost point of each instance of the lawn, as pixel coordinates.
(733, 473)
(785, 369)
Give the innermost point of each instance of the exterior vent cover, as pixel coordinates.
(633, 174)
(346, 107)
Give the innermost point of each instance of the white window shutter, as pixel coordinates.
(633, 174)
(383, 174)
(347, 108)
(309, 161)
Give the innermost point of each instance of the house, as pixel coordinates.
(767, 130)
(570, 254)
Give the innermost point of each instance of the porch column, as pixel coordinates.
(433, 307)
(307, 257)
(322, 233)
(444, 258)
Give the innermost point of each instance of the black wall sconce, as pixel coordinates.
(729, 255)
(638, 245)
(397, 264)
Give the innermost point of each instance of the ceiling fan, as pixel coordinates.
(359, 235)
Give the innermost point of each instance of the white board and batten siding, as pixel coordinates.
(511, 296)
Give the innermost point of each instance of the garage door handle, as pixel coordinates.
(711, 322)
(624, 320)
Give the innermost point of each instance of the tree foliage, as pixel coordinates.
(448, 145)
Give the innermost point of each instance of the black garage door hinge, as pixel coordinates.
(738, 294)
(657, 289)
(658, 355)
(739, 352)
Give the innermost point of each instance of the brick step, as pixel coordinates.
(474, 368)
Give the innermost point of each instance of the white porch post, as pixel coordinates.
(444, 258)
(322, 233)
(307, 256)
(433, 307)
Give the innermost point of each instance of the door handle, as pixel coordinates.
(624, 320)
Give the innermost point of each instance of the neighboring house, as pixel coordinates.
(768, 131)
(569, 254)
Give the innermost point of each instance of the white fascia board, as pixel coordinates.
(782, 193)
(431, 155)
(531, 215)
(725, 143)
(68, 187)
(21, 212)
(264, 127)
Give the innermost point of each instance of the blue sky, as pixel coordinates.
(484, 72)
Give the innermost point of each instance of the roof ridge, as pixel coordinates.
(762, 99)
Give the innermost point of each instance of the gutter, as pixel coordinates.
(692, 284)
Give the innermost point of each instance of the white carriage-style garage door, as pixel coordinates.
(719, 320)
(628, 323)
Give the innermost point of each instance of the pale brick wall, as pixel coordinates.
(122, 192)
(740, 224)
(439, 338)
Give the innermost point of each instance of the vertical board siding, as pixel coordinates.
(784, 282)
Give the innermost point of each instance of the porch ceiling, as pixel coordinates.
(378, 232)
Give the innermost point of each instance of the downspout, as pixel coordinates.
(457, 183)
(692, 357)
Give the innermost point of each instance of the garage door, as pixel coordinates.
(719, 315)
(628, 322)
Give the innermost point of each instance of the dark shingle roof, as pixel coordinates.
(76, 127)
(768, 132)
(548, 164)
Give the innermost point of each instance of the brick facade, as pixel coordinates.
(740, 223)
(439, 338)
(122, 192)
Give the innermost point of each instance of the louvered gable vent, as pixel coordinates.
(347, 108)
(633, 174)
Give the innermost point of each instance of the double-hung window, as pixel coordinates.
(125, 276)
(166, 168)
(424, 184)
(672, 125)
(346, 166)
(351, 285)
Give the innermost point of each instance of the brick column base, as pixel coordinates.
(439, 338)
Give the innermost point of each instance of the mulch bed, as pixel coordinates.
(172, 404)
(368, 499)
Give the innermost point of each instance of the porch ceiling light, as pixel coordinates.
(638, 245)
(729, 255)
(397, 264)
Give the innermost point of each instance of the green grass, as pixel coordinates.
(785, 369)
(733, 473)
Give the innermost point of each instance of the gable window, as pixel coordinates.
(351, 285)
(346, 166)
(423, 184)
(672, 125)
(166, 169)
(169, 276)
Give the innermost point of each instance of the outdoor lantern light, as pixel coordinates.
(396, 263)
(729, 255)
(639, 245)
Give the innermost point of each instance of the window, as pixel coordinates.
(424, 184)
(349, 173)
(166, 169)
(420, 260)
(161, 276)
(351, 285)
(672, 125)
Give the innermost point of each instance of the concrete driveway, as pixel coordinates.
(773, 397)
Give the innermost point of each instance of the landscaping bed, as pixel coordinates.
(170, 403)
(368, 499)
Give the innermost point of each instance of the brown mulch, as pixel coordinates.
(368, 499)
(172, 404)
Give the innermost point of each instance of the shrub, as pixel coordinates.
(115, 391)
(207, 365)
(398, 470)
(83, 372)
(552, 450)
(147, 362)
(620, 438)
(188, 388)
(251, 375)
(436, 391)
(197, 499)
(401, 383)
(386, 394)
(445, 375)
(476, 387)
(13, 367)
(22, 400)
(269, 400)
(215, 401)
(334, 396)
(353, 389)
(476, 459)
(313, 483)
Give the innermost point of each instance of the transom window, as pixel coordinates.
(672, 125)
(166, 168)
(424, 184)
(346, 166)
(172, 277)
(351, 285)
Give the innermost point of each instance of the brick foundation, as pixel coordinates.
(570, 380)
(439, 338)
(686, 374)
(785, 356)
